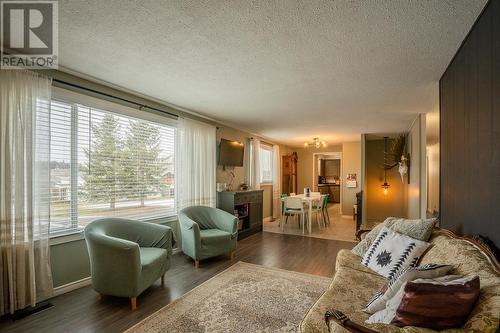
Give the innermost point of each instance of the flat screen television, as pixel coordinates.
(231, 153)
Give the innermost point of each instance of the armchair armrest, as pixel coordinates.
(345, 322)
(113, 256)
(190, 232)
(156, 235)
(226, 222)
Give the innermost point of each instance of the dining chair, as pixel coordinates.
(294, 207)
(318, 209)
(326, 217)
(282, 203)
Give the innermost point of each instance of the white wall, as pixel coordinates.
(417, 194)
(351, 163)
(433, 178)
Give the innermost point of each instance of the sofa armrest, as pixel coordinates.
(360, 234)
(344, 321)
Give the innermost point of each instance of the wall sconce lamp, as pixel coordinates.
(385, 185)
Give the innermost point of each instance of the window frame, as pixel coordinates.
(268, 148)
(75, 99)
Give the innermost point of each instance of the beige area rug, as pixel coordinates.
(341, 228)
(243, 298)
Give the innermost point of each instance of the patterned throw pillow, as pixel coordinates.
(392, 252)
(420, 229)
(441, 303)
(429, 271)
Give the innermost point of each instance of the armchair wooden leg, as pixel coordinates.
(196, 264)
(133, 303)
(232, 255)
(99, 296)
(163, 279)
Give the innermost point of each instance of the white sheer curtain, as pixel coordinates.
(25, 276)
(196, 164)
(276, 182)
(255, 164)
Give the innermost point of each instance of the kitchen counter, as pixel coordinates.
(329, 184)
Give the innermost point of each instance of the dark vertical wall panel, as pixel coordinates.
(470, 132)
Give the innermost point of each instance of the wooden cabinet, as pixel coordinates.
(324, 189)
(289, 173)
(335, 193)
(332, 190)
(249, 206)
(331, 168)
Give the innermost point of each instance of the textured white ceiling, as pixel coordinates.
(288, 70)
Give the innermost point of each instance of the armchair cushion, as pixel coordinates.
(151, 256)
(214, 237)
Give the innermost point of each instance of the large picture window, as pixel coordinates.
(105, 164)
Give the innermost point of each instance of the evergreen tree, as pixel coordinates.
(144, 168)
(103, 180)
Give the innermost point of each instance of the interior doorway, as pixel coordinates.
(327, 176)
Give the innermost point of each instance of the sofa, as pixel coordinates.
(127, 256)
(207, 232)
(340, 308)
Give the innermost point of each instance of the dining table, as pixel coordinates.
(308, 200)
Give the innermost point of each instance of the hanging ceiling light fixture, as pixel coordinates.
(385, 185)
(315, 143)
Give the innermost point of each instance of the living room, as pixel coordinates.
(250, 166)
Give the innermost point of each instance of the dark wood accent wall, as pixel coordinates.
(470, 132)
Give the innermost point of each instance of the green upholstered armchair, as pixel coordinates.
(127, 256)
(207, 232)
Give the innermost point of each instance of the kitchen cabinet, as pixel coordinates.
(335, 190)
(331, 168)
(332, 189)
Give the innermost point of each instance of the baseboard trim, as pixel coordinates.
(66, 288)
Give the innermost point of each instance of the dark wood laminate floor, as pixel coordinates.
(80, 311)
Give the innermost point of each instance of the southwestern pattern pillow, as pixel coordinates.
(428, 271)
(420, 229)
(392, 252)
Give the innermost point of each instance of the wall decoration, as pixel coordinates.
(351, 180)
(403, 168)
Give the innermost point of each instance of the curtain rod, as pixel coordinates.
(141, 106)
(264, 142)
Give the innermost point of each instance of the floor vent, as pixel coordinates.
(20, 314)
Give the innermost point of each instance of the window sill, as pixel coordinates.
(266, 184)
(66, 236)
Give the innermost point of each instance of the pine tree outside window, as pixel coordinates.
(106, 164)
